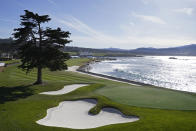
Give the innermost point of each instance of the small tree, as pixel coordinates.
(39, 47)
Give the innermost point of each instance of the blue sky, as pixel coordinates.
(123, 24)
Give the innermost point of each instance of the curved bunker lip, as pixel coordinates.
(75, 115)
(65, 90)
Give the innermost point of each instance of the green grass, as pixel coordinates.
(99, 54)
(152, 97)
(72, 53)
(10, 61)
(21, 105)
(77, 61)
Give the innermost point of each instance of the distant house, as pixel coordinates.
(86, 54)
(74, 56)
(6, 56)
(2, 64)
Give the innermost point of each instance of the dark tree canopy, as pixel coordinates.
(39, 47)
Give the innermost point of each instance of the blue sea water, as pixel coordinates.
(177, 74)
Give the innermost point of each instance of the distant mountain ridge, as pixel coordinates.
(6, 41)
(186, 50)
(6, 45)
(115, 49)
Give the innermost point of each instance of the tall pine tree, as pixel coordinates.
(40, 47)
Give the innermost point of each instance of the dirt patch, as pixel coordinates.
(1, 69)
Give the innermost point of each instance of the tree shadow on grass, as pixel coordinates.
(14, 93)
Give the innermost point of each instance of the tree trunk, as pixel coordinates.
(39, 68)
(39, 75)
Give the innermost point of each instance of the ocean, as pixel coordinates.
(178, 73)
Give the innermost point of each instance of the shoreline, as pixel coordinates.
(84, 69)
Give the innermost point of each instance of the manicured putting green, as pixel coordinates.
(150, 97)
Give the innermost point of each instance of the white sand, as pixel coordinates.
(66, 89)
(74, 69)
(74, 114)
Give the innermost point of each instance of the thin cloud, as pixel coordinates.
(8, 20)
(92, 38)
(146, 1)
(52, 2)
(76, 24)
(187, 11)
(149, 18)
(132, 23)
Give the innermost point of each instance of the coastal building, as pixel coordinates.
(86, 54)
(6, 56)
(2, 64)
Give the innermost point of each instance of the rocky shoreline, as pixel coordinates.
(86, 67)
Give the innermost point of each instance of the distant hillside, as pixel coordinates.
(6, 41)
(187, 50)
(100, 52)
(93, 50)
(114, 49)
(6, 45)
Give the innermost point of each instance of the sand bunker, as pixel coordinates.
(66, 89)
(74, 114)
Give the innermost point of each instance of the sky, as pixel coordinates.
(125, 24)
